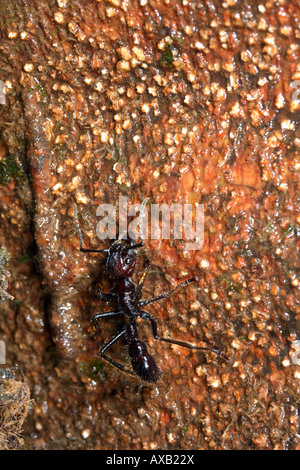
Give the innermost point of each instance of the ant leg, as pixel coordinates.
(85, 250)
(164, 296)
(109, 296)
(103, 296)
(105, 314)
(112, 361)
(147, 316)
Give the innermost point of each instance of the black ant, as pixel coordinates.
(120, 265)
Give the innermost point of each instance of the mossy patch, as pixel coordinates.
(10, 170)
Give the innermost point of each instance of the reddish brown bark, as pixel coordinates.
(174, 101)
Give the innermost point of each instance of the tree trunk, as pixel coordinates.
(167, 102)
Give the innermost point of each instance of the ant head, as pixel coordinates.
(121, 258)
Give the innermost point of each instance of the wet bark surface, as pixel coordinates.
(178, 102)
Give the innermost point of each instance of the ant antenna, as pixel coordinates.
(86, 250)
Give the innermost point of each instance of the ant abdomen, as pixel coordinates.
(142, 362)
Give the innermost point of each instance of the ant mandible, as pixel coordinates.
(120, 266)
